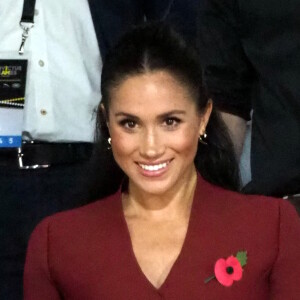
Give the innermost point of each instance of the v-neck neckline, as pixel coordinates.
(181, 256)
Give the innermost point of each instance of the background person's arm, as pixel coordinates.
(237, 127)
(227, 73)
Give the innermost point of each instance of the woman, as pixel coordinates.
(168, 232)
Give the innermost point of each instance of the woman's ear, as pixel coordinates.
(205, 117)
(104, 114)
(104, 120)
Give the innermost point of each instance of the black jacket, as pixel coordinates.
(114, 17)
(251, 58)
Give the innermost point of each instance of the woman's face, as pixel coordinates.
(154, 126)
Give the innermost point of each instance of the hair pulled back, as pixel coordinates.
(156, 47)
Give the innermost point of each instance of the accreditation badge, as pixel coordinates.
(12, 98)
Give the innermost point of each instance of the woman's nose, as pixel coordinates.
(151, 145)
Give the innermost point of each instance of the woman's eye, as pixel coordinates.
(128, 124)
(172, 122)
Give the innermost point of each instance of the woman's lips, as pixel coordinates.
(154, 169)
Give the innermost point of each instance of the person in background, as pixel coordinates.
(182, 17)
(250, 58)
(63, 90)
(174, 229)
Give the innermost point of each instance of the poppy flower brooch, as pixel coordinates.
(230, 269)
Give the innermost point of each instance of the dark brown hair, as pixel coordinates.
(150, 48)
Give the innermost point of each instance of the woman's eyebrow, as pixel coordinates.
(127, 115)
(172, 112)
(161, 116)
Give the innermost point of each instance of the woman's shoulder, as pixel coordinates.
(80, 234)
(100, 206)
(98, 214)
(240, 205)
(249, 220)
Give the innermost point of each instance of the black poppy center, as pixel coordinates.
(229, 270)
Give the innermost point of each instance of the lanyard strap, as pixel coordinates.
(27, 21)
(28, 11)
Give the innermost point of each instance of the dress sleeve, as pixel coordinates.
(227, 73)
(285, 277)
(37, 279)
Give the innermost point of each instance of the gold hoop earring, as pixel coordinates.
(109, 143)
(202, 138)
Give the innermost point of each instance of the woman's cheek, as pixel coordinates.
(187, 141)
(122, 143)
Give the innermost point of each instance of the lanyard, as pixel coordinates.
(26, 22)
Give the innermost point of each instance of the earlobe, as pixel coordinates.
(205, 117)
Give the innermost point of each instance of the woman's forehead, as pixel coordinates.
(149, 91)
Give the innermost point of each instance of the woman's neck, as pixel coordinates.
(171, 204)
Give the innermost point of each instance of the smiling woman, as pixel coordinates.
(154, 126)
(152, 70)
(174, 229)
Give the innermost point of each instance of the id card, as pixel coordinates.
(12, 98)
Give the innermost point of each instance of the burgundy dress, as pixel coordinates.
(86, 253)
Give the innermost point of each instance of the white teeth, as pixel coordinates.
(153, 167)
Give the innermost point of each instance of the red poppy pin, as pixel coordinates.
(230, 269)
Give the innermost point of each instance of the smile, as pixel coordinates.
(154, 167)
